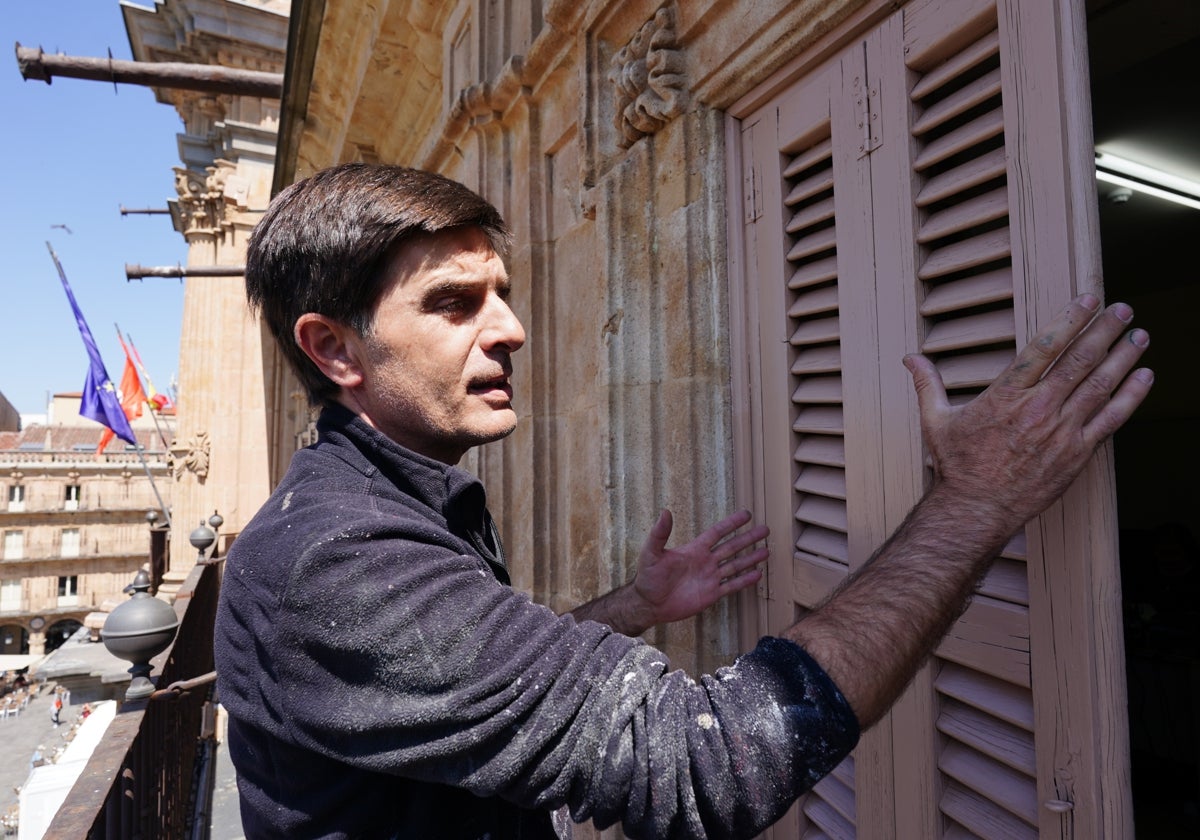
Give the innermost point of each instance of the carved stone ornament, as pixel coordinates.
(202, 197)
(192, 455)
(648, 76)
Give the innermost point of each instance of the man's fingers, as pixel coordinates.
(1113, 414)
(719, 531)
(740, 542)
(931, 391)
(1088, 354)
(738, 582)
(1088, 390)
(1039, 354)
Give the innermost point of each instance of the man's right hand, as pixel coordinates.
(1000, 460)
(1018, 446)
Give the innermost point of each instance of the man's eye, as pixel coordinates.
(451, 305)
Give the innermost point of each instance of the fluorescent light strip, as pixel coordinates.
(1136, 176)
(1122, 181)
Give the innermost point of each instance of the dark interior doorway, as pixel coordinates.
(1145, 60)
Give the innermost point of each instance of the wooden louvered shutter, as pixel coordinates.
(982, 703)
(927, 190)
(816, 365)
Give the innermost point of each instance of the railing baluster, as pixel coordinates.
(149, 752)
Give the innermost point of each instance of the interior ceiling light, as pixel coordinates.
(1126, 173)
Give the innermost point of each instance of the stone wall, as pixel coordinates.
(597, 130)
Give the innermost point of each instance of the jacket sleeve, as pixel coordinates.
(407, 658)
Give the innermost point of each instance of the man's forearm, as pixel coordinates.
(877, 629)
(619, 609)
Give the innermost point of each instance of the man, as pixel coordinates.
(382, 679)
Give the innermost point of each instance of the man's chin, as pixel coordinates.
(498, 428)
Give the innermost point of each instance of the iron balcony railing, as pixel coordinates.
(151, 774)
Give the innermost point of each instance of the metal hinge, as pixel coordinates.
(866, 98)
(752, 191)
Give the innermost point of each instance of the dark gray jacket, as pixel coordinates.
(383, 680)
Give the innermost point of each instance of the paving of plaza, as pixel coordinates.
(26, 732)
(33, 730)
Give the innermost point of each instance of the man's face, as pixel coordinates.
(436, 364)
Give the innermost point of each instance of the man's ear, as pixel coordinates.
(333, 347)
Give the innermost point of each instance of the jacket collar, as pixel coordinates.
(453, 493)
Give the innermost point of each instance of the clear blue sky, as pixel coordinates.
(73, 152)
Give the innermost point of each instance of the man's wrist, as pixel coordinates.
(986, 517)
(622, 609)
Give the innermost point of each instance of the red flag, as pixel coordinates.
(158, 400)
(131, 394)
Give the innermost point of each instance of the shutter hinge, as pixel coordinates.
(752, 197)
(752, 192)
(866, 97)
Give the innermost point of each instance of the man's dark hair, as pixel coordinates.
(324, 242)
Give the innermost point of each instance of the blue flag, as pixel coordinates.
(100, 401)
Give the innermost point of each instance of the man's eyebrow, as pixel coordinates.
(453, 285)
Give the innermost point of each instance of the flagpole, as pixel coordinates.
(166, 513)
(138, 360)
(138, 447)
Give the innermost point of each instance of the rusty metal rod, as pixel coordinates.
(137, 272)
(180, 687)
(147, 211)
(37, 65)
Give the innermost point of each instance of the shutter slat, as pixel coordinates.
(984, 127)
(963, 216)
(959, 102)
(821, 449)
(814, 576)
(994, 738)
(956, 65)
(814, 302)
(810, 157)
(984, 819)
(818, 389)
(826, 816)
(1007, 580)
(840, 797)
(826, 543)
(845, 768)
(975, 370)
(816, 331)
(815, 184)
(817, 271)
(999, 699)
(1013, 791)
(820, 211)
(827, 481)
(816, 242)
(821, 358)
(954, 831)
(976, 290)
(826, 513)
(991, 637)
(959, 256)
(972, 173)
(1016, 548)
(971, 331)
(819, 420)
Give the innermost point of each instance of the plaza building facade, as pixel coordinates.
(74, 523)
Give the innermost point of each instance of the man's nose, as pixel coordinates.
(503, 329)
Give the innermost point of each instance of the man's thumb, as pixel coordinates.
(927, 382)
